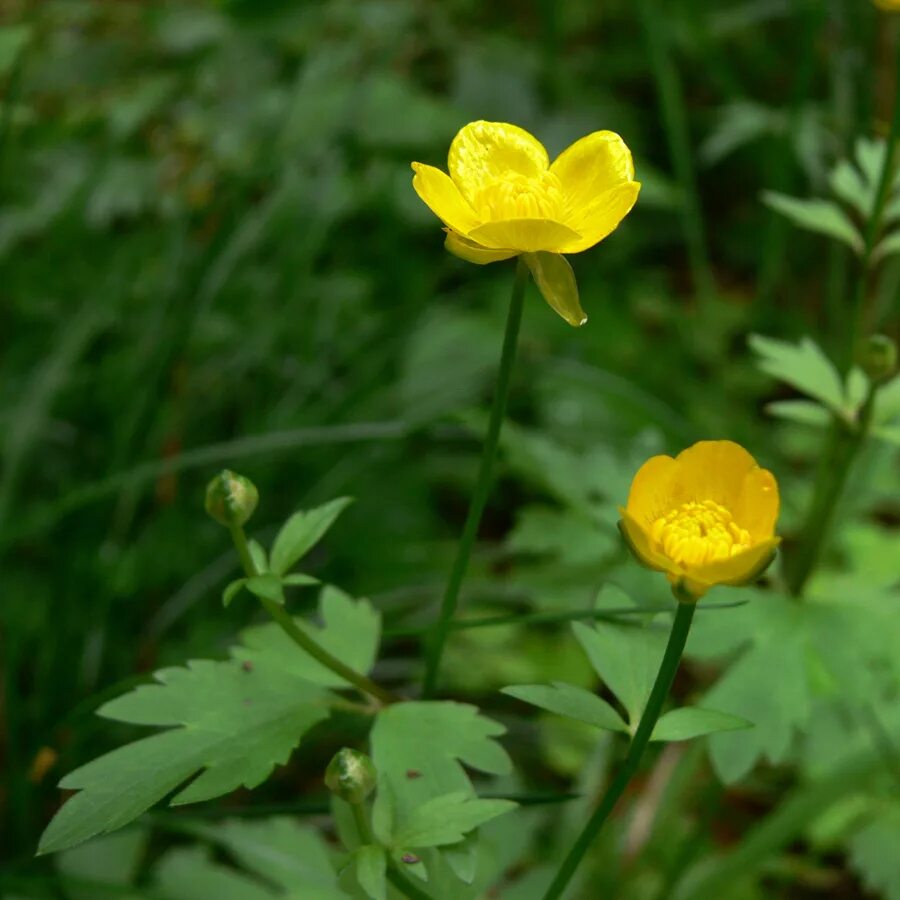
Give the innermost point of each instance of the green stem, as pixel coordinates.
(873, 225)
(438, 637)
(303, 640)
(396, 877)
(671, 97)
(674, 648)
(845, 443)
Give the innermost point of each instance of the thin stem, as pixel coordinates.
(671, 97)
(674, 648)
(438, 637)
(873, 225)
(395, 876)
(303, 640)
(845, 443)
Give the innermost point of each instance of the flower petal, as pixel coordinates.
(738, 569)
(483, 152)
(650, 495)
(758, 503)
(591, 166)
(642, 547)
(471, 252)
(523, 235)
(712, 470)
(443, 198)
(599, 218)
(556, 281)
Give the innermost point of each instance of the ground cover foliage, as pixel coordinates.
(211, 256)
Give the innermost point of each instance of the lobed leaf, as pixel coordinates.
(569, 700)
(447, 819)
(820, 216)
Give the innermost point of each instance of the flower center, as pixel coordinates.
(516, 196)
(698, 532)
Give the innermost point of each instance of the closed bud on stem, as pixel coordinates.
(878, 357)
(351, 775)
(231, 498)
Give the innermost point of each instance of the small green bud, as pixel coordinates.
(350, 775)
(878, 357)
(231, 498)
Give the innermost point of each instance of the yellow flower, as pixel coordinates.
(503, 198)
(888, 4)
(706, 517)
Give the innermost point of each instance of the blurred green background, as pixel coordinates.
(211, 255)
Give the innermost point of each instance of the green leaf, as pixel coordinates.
(873, 853)
(109, 860)
(298, 579)
(627, 659)
(418, 749)
(821, 216)
(556, 281)
(231, 722)
(803, 366)
(848, 183)
(568, 700)
(189, 873)
(13, 40)
(302, 532)
(691, 721)
(232, 590)
(886, 247)
(371, 871)
(447, 819)
(804, 412)
(564, 534)
(282, 851)
(258, 555)
(351, 632)
(267, 586)
(887, 402)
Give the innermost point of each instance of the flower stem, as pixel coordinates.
(845, 443)
(438, 637)
(396, 878)
(303, 640)
(674, 648)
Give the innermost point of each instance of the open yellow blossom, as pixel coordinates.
(503, 198)
(705, 517)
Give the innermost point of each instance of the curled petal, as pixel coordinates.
(758, 503)
(712, 470)
(601, 216)
(443, 198)
(642, 547)
(484, 152)
(523, 235)
(739, 569)
(651, 490)
(471, 252)
(556, 281)
(591, 166)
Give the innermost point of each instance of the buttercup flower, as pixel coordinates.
(503, 198)
(705, 517)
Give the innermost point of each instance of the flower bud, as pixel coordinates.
(231, 498)
(878, 357)
(350, 775)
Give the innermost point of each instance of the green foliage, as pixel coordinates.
(873, 852)
(233, 720)
(821, 216)
(302, 532)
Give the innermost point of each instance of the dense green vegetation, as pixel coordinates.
(211, 256)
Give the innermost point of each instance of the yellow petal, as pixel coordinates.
(641, 545)
(650, 495)
(483, 152)
(591, 166)
(523, 235)
(443, 198)
(556, 281)
(757, 504)
(736, 570)
(471, 252)
(712, 470)
(599, 218)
